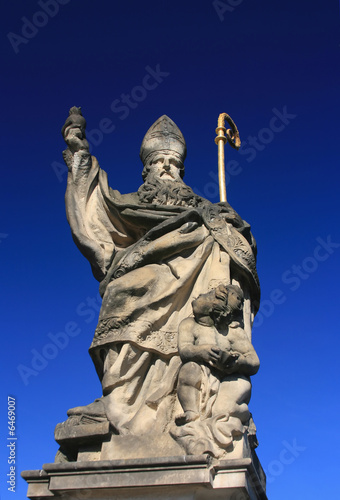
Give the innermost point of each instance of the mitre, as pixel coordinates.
(163, 135)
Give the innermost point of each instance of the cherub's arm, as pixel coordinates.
(206, 353)
(247, 364)
(247, 361)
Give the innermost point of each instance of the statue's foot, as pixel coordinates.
(186, 417)
(95, 409)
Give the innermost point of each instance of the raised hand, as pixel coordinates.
(74, 131)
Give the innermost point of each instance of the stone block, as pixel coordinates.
(170, 478)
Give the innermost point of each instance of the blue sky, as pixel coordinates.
(274, 67)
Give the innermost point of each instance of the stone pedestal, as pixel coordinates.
(170, 478)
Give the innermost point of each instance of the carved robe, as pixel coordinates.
(151, 261)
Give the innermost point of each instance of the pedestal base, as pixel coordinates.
(170, 478)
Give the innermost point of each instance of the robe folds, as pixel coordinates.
(151, 261)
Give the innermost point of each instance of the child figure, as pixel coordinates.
(214, 340)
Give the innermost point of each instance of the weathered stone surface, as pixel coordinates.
(81, 434)
(172, 347)
(213, 384)
(154, 252)
(187, 477)
(148, 446)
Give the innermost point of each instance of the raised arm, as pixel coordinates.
(247, 361)
(77, 153)
(87, 187)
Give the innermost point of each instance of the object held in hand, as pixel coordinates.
(74, 120)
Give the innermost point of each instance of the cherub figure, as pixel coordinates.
(214, 343)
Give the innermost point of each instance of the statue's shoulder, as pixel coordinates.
(237, 336)
(187, 323)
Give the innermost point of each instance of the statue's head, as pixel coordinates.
(163, 150)
(235, 298)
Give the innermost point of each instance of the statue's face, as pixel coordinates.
(235, 300)
(208, 305)
(165, 166)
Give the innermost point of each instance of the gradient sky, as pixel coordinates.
(274, 67)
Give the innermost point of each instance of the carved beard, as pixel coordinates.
(164, 192)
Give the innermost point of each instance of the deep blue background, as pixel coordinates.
(262, 56)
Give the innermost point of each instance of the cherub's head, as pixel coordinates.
(221, 304)
(235, 298)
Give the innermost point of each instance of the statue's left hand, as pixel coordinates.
(229, 361)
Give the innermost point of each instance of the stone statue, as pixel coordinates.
(213, 384)
(155, 252)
